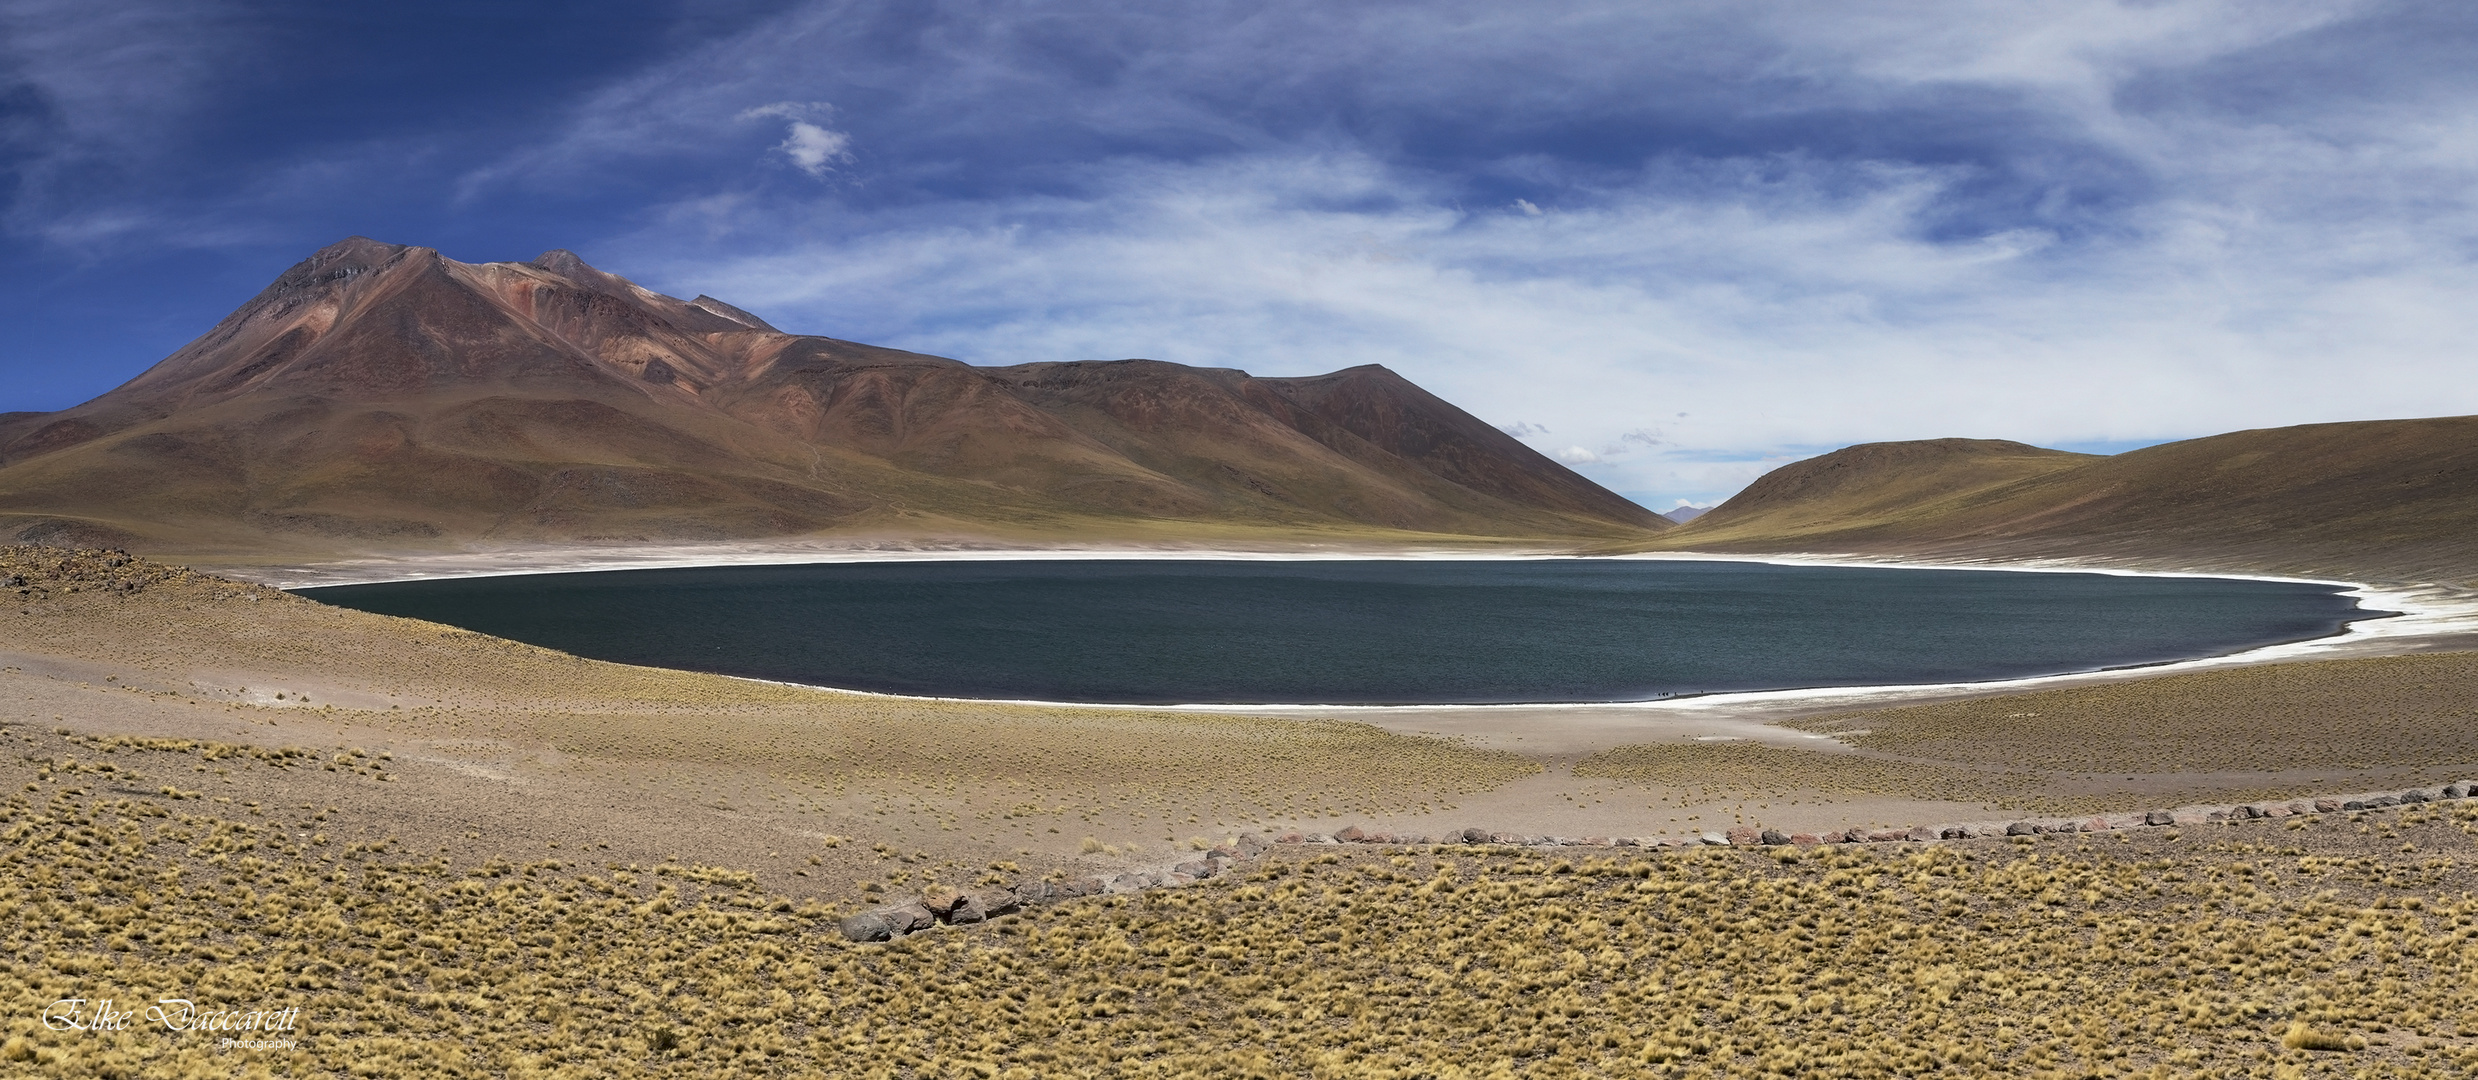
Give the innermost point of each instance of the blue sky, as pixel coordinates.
(1672, 243)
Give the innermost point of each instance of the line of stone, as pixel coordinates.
(942, 906)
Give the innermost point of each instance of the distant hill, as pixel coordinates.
(2387, 497)
(380, 397)
(1684, 512)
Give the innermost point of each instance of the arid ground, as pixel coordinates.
(464, 856)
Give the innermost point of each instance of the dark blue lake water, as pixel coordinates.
(1392, 632)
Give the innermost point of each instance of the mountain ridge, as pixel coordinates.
(2394, 498)
(377, 395)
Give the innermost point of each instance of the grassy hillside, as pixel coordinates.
(2390, 498)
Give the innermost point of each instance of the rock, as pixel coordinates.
(910, 918)
(2249, 811)
(2355, 804)
(1627, 841)
(1887, 836)
(1745, 836)
(1036, 893)
(1713, 838)
(940, 899)
(2413, 795)
(966, 911)
(867, 926)
(2096, 825)
(1351, 835)
(1195, 869)
(2327, 806)
(2381, 801)
(1953, 832)
(2159, 817)
(1773, 837)
(1083, 886)
(2298, 809)
(1290, 838)
(1173, 880)
(1321, 838)
(2216, 815)
(1920, 833)
(1250, 845)
(2021, 828)
(1226, 853)
(1595, 841)
(1517, 839)
(1805, 839)
(998, 902)
(2456, 791)
(1475, 836)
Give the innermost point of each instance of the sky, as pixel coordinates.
(1673, 244)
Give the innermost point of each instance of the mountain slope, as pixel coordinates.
(2389, 497)
(377, 396)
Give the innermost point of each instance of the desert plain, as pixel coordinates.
(463, 856)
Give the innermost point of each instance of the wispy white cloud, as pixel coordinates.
(812, 148)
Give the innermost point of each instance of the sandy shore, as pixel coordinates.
(496, 748)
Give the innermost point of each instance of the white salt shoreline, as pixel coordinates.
(2426, 612)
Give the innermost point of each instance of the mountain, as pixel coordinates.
(380, 397)
(1684, 512)
(2396, 498)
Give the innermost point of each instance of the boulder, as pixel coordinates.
(1919, 833)
(2159, 817)
(1715, 839)
(910, 918)
(1475, 836)
(1195, 869)
(1291, 838)
(2298, 809)
(1250, 845)
(2249, 811)
(1953, 832)
(1172, 880)
(998, 902)
(1773, 837)
(1036, 893)
(2022, 828)
(1887, 836)
(1351, 835)
(1627, 841)
(966, 911)
(2096, 825)
(2456, 791)
(2414, 795)
(2355, 804)
(867, 926)
(2382, 801)
(2327, 806)
(940, 899)
(1595, 841)
(1805, 839)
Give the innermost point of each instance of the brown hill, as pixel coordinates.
(2396, 498)
(379, 396)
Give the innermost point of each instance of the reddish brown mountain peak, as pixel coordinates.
(563, 262)
(383, 394)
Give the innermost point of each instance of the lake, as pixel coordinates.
(1365, 632)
